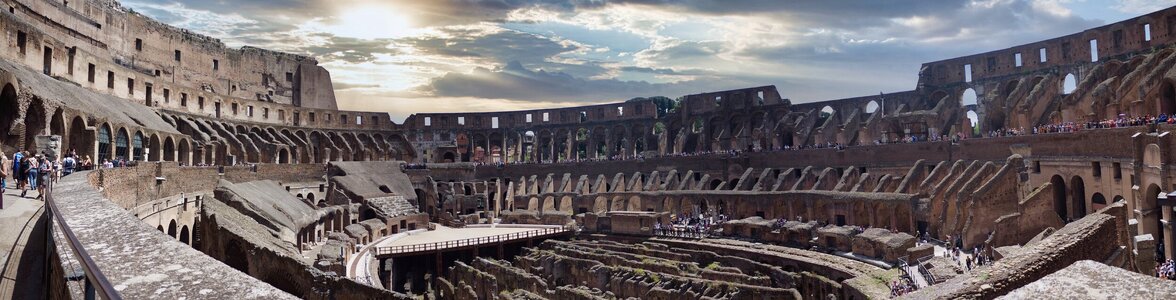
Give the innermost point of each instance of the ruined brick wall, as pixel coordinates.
(1085, 239)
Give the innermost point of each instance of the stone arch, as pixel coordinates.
(1078, 198)
(1097, 201)
(283, 156)
(34, 121)
(969, 97)
(974, 120)
(1069, 84)
(137, 146)
(171, 229)
(826, 113)
(9, 106)
(104, 143)
(937, 96)
(185, 150)
(1059, 189)
(57, 124)
(79, 139)
(1167, 103)
(185, 235)
(156, 148)
(169, 149)
(122, 144)
(1153, 222)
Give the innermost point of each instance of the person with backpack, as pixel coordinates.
(16, 174)
(45, 171)
(68, 165)
(28, 176)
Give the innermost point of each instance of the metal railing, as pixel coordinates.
(96, 282)
(436, 246)
(930, 278)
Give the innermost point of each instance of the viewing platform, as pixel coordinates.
(474, 236)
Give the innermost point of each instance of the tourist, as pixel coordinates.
(107, 164)
(87, 164)
(45, 173)
(33, 171)
(5, 168)
(68, 164)
(16, 174)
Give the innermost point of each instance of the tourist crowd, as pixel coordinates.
(685, 225)
(1166, 270)
(31, 171)
(901, 286)
(977, 258)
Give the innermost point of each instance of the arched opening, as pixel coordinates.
(448, 157)
(8, 109)
(34, 123)
(103, 143)
(184, 235)
(156, 149)
(969, 98)
(1078, 198)
(283, 156)
(169, 149)
(825, 114)
(1153, 223)
(1059, 189)
(872, 106)
(1168, 98)
(171, 229)
(185, 150)
(160, 227)
(79, 139)
(137, 146)
(1069, 84)
(1098, 201)
(974, 119)
(57, 124)
(121, 145)
(937, 96)
(715, 183)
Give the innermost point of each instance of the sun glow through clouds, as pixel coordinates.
(367, 21)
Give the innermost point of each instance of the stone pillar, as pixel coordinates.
(1145, 253)
(1167, 229)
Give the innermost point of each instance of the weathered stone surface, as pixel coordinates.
(1092, 280)
(129, 252)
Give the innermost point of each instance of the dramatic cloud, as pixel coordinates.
(475, 55)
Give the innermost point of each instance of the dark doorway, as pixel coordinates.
(1167, 98)
(1059, 189)
(8, 113)
(1078, 198)
(48, 61)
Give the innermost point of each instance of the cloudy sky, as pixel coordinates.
(406, 56)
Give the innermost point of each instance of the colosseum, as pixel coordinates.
(231, 173)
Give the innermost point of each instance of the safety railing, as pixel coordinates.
(436, 246)
(96, 284)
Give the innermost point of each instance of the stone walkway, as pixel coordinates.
(22, 247)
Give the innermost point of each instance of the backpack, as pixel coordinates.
(68, 163)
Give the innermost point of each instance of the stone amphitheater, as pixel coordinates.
(244, 180)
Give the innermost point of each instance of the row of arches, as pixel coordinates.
(184, 235)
